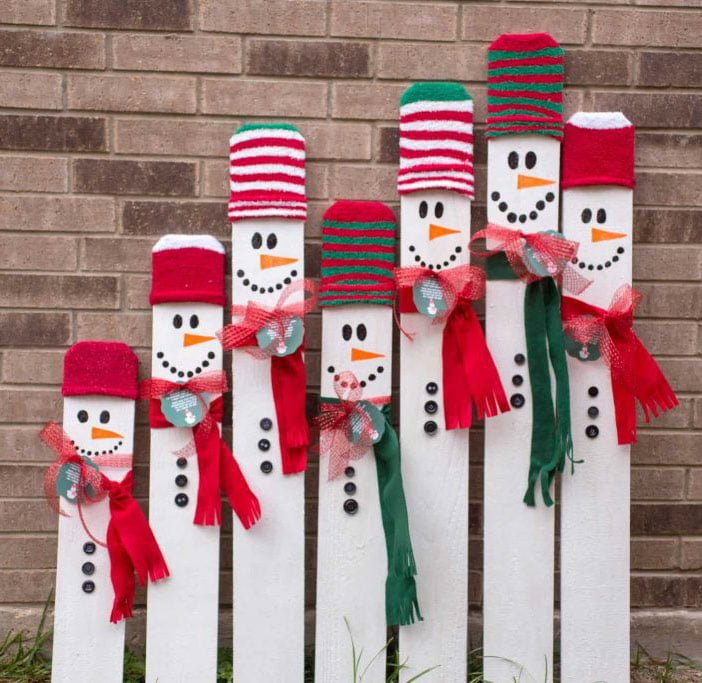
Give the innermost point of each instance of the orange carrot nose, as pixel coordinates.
(268, 261)
(524, 181)
(602, 235)
(440, 231)
(99, 433)
(191, 339)
(360, 354)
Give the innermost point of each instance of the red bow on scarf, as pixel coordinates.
(288, 378)
(130, 542)
(469, 373)
(217, 467)
(634, 372)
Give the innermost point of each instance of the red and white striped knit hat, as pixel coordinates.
(267, 172)
(436, 139)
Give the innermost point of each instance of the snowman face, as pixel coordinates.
(523, 172)
(435, 229)
(184, 342)
(99, 425)
(357, 338)
(267, 256)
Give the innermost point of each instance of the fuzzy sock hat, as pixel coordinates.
(100, 367)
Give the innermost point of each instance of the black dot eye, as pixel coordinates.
(439, 209)
(586, 216)
(104, 417)
(530, 160)
(271, 241)
(601, 215)
(423, 209)
(361, 332)
(194, 322)
(256, 240)
(177, 321)
(346, 332)
(513, 160)
(82, 416)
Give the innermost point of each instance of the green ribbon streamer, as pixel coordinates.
(551, 438)
(401, 604)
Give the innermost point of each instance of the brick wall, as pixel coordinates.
(114, 131)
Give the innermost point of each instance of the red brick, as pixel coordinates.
(19, 444)
(648, 262)
(303, 17)
(131, 328)
(388, 145)
(24, 480)
(132, 93)
(33, 174)
(657, 591)
(264, 98)
(691, 553)
(164, 15)
(136, 292)
(36, 12)
(34, 329)
(30, 405)
(209, 54)
(694, 484)
(158, 218)
(597, 67)
(38, 252)
(652, 29)
(670, 301)
(669, 69)
(364, 182)
(414, 61)
(668, 149)
(32, 367)
(399, 21)
(665, 518)
(684, 374)
(366, 100)
(655, 553)
(668, 338)
(54, 133)
(650, 483)
(666, 448)
(32, 552)
(27, 516)
(67, 214)
(336, 141)
(668, 189)
(53, 49)
(27, 585)
(30, 90)
(58, 291)
(116, 254)
(652, 110)
(676, 226)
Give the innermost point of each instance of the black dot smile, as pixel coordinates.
(174, 370)
(89, 453)
(512, 217)
(434, 266)
(599, 266)
(260, 289)
(371, 376)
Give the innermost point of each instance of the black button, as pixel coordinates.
(519, 359)
(431, 407)
(266, 467)
(181, 500)
(264, 445)
(350, 506)
(89, 548)
(593, 391)
(517, 380)
(182, 463)
(88, 568)
(181, 480)
(349, 471)
(350, 488)
(430, 427)
(592, 431)
(593, 411)
(266, 424)
(432, 388)
(88, 586)
(517, 400)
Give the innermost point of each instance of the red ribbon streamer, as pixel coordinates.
(217, 468)
(633, 371)
(469, 373)
(288, 376)
(131, 544)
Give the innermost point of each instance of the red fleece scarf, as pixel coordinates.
(634, 373)
(469, 373)
(217, 467)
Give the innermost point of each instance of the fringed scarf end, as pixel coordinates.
(401, 603)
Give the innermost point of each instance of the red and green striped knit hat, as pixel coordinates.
(358, 254)
(525, 85)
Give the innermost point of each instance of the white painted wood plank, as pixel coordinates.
(181, 623)
(351, 555)
(518, 566)
(434, 466)
(269, 558)
(85, 643)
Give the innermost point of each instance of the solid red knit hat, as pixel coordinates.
(187, 268)
(598, 149)
(100, 367)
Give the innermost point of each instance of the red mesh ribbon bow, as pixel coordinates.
(469, 373)
(288, 378)
(634, 372)
(534, 256)
(337, 421)
(130, 542)
(217, 468)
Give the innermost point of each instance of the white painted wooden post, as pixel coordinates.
(181, 624)
(269, 560)
(595, 502)
(86, 645)
(518, 568)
